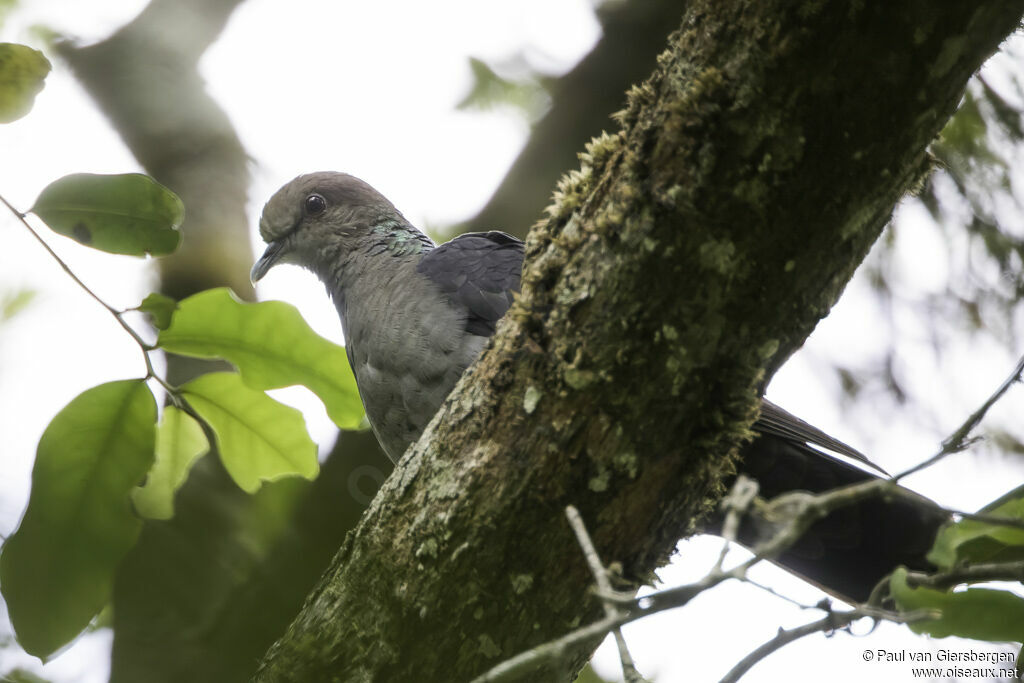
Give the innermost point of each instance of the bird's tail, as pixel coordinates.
(848, 552)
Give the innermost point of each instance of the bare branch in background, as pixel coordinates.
(832, 621)
(958, 440)
(611, 611)
(792, 514)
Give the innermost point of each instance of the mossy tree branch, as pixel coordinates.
(692, 254)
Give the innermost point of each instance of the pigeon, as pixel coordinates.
(415, 315)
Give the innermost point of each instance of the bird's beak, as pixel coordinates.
(273, 254)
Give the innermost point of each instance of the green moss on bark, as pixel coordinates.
(685, 260)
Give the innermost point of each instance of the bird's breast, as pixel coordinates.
(408, 347)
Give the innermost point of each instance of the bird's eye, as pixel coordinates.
(315, 204)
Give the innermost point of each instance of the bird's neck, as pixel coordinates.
(390, 248)
(397, 237)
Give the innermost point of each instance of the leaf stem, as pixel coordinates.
(118, 315)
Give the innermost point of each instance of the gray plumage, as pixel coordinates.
(415, 315)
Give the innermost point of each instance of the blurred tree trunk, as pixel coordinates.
(202, 596)
(694, 252)
(582, 102)
(145, 78)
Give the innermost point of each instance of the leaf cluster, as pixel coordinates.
(109, 458)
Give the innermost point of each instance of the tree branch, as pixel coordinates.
(695, 249)
(792, 515)
(959, 440)
(832, 621)
(975, 573)
(629, 672)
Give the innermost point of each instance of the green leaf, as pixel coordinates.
(490, 91)
(13, 303)
(975, 541)
(5, 8)
(258, 438)
(20, 675)
(160, 309)
(180, 441)
(978, 613)
(270, 344)
(122, 214)
(22, 74)
(57, 570)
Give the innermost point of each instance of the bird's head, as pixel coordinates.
(320, 216)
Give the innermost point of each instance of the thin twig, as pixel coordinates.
(824, 603)
(972, 573)
(143, 345)
(987, 519)
(679, 596)
(642, 607)
(825, 504)
(802, 510)
(736, 504)
(832, 621)
(810, 507)
(798, 512)
(958, 441)
(629, 671)
(553, 650)
(556, 649)
(71, 273)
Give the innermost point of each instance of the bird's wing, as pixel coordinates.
(478, 271)
(778, 422)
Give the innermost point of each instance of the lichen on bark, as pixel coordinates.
(688, 257)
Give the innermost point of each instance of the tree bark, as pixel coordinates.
(694, 251)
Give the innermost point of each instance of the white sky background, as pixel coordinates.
(370, 88)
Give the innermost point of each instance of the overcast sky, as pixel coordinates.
(386, 76)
